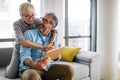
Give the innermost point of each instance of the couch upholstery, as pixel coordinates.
(86, 64)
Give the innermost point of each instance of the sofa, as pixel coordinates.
(86, 64)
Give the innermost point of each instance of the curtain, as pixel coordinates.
(108, 37)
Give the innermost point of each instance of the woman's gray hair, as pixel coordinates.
(26, 8)
(54, 21)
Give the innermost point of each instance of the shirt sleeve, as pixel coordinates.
(18, 32)
(25, 53)
(54, 31)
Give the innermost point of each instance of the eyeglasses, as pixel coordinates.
(46, 21)
(30, 16)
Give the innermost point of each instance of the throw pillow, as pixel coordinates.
(69, 53)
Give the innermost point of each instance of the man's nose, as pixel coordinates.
(42, 22)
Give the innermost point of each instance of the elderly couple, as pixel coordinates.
(33, 38)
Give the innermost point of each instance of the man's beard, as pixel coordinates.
(43, 30)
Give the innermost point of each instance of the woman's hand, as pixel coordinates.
(48, 47)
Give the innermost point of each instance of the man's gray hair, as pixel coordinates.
(54, 21)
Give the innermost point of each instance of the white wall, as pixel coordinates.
(108, 37)
(56, 6)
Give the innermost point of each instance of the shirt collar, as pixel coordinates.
(45, 36)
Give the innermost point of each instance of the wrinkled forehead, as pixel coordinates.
(48, 18)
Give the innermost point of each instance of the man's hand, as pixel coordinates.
(41, 64)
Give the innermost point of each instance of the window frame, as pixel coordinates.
(93, 26)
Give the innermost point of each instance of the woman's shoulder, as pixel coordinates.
(19, 20)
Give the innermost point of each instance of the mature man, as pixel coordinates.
(32, 64)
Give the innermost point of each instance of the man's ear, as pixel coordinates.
(52, 27)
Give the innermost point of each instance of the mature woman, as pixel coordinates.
(27, 21)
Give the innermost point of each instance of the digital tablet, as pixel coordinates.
(54, 53)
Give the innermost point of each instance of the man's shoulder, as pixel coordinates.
(31, 31)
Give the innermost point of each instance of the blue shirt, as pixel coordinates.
(34, 36)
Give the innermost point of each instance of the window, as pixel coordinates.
(80, 24)
(37, 7)
(8, 14)
(80, 20)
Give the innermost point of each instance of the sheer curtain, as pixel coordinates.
(107, 39)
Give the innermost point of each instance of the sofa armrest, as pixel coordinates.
(92, 59)
(87, 56)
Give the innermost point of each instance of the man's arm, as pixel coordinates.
(29, 62)
(32, 64)
(39, 64)
(26, 58)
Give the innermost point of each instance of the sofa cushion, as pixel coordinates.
(68, 53)
(5, 55)
(81, 71)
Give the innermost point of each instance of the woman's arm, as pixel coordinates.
(54, 36)
(51, 44)
(20, 37)
(28, 43)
